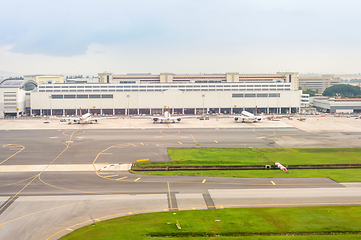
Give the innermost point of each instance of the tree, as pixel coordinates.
(344, 90)
(309, 91)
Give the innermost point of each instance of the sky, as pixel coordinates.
(73, 37)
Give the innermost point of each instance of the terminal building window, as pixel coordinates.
(57, 96)
(28, 86)
(69, 96)
(82, 96)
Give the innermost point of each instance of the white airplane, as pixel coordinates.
(167, 117)
(247, 116)
(85, 118)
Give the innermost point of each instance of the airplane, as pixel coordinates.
(85, 118)
(247, 116)
(167, 117)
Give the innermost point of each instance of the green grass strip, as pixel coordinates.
(248, 221)
(258, 156)
(262, 156)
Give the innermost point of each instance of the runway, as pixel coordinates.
(43, 204)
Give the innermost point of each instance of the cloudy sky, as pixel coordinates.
(180, 36)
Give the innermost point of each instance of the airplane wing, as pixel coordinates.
(244, 118)
(160, 118)
(95, 119)
(73, 119)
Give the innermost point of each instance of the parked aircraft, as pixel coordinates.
(247, 116)
(85, 118)
(167, 117)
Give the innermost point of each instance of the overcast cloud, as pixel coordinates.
(179, 36)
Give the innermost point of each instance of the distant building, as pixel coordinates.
(305, 100)
(332, 105)
(82, 80)
(45, 79)
(318, 83)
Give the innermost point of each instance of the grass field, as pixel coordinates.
(263, 156)
(258, 156)
(240, 221)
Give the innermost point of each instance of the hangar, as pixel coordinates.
(334, 105)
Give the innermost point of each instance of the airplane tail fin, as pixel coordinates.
(80, 111)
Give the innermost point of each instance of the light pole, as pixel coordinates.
(203, 96)
(128, 96)
(51, 109)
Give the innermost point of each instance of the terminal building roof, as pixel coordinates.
(26, 85)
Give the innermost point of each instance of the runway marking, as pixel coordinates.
(7, 204)
(269, 135)
(193, 208)
(71, 135)
(106, 172)
(141, 143)
(69, 229)
(62, 150)
(130, 213)
(15, 149)
(180, 143)
(15, 196)
(273, 182)
(137, 179)
(166, 210)
(121, 178)
(79, 137)
(97, 219)
(216, 141)
(53, 137)
(131, 144)
(167, 134)
(204, 180)
(208, 201)
(71, 204)
(183, 137)
(143, 160)
(172, 205)
(107, 153)
(286, 137)
(158, 136)
(16, 182)
(111, 176)
(69, 141)
(170, 199)
(193, 138)
(12, 145)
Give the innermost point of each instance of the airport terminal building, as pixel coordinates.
(180, 94)
(15, 96)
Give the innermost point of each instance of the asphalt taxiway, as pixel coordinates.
(41, 202)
